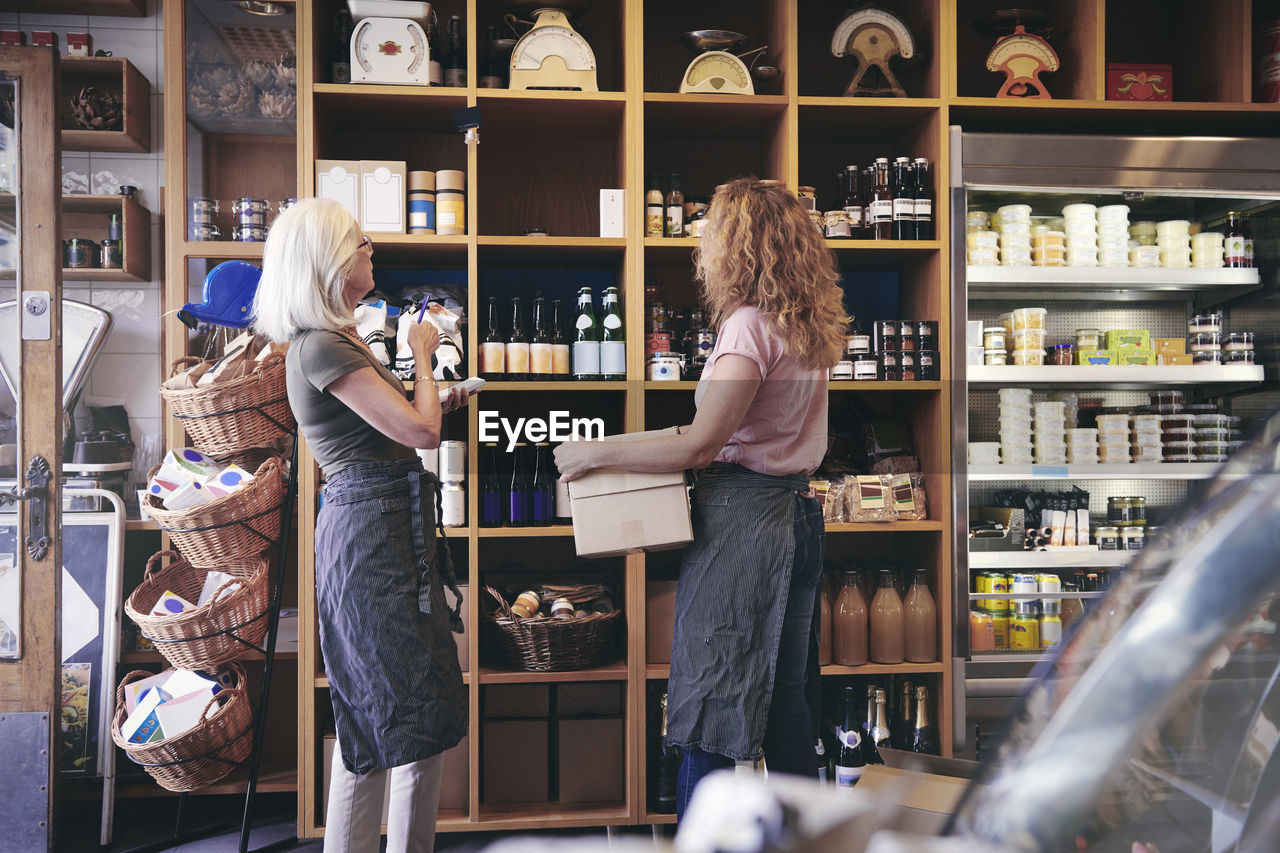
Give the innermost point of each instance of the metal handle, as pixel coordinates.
(36, 491)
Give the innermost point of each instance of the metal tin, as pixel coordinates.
(1048, 583)
(201, 210)
(703, 341)
(249, 233)
(79, 253)
(1023, 583)
(453, 461)
(664, 367)
(111, 256)
(993, 582)
(927, 367)
(453, 505)
(656, 342)
(203, 232)
(1050, 630)
(562, 608)
(1024, 628)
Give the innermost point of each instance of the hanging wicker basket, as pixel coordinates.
(202, 755)
(229, 417)
(232, 623)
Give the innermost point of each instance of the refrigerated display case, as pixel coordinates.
(1197, 181)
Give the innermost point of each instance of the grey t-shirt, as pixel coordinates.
(336, 435)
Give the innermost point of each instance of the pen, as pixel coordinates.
(422, 311)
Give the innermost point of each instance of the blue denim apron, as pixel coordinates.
(751, 534)
(385, 629)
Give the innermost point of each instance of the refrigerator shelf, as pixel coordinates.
(1048, 560)
(1093, 283)
(1030, 596)
(1132, 471)
(1114, 376)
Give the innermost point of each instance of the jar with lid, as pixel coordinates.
(928, 368)
(908, 341)
(907, 366)
(1117, 511)
(993, 338)
(866, 366)
(995, 357)
(927, 330)
(1237, 341)
(1062, 354)
(857, 341)
(1211, 322)
(111, 256)
(884, 334)
(1107, 537)
(843, 369)
(1137, 516)
(1089, 339)
(836, 224)
(890, 366)
(1134, 538)
(79, 253)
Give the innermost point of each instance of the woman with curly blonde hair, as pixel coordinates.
(749, 580)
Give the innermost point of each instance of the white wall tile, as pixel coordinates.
(75, 173)
(108, 172)
(9, 20)
(145, 426)
(30, 20)
(135, 318)
(78, 294)
(136, 45)
(135, 378)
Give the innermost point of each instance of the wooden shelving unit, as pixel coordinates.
(543, 157)
(109, 75)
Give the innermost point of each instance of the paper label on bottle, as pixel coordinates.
(1248, 250)
(560, 359)
(653, 222)
(540, 358)
(880, 211)
(584, 321)
(847, 777)
(675, 221)
(435, 73)
(493, 357)
(904, 208)
(855, 216)
(612, 321)
(613, 358)
(586, 357)
(924, 209)
(456, 77)
(1233, 248)
(518, 358)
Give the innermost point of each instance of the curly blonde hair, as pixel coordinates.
(760, 248)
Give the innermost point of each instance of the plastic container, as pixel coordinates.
(1234, 341)
(1206, 420)
(1144, 256)
(1029, 318)
(1174, 423)
(1028, 339)
(1028, 357)
(977, 220)
(993, 338)
(1089, 339)
(1204, 342)
(983, 257)
(1207, 357)
(982, 240)
(994, 357)
(1240, 356)
(1179, 449)
(1082, 211)
(1113, 423)
(1062, 354)
(1204, 323)
(1213, 434)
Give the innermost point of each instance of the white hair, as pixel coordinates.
(310, 252)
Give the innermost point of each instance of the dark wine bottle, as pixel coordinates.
(849, 759)
(493, 495)
(924, 738)
(666, 769)
(543, 496)
(519, 503)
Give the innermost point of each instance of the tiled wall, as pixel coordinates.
(128, 369)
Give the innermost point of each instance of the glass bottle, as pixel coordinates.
(920, 621)
(885, 620)
(903, 720)
(586, 342)
(518, 498)
(613, 347)
(852, 203)
(564, 512)
(517, 345)
(115, 228)
(849, 624)
(824, 626)
(880, 202)
(674, 204)
(878, 734)
(455, 63)
(540, 357)
(435, 64)
(493, 349)
(850, 762)
(559, 346)
(923, 199)
(491, 72)
(904, 201)
(924, 737)
(493, 496)
(666, 769)
(868, 720)
(1238, 243)
(820, 756)
(543, 498)
(653, 205)
(340, 60)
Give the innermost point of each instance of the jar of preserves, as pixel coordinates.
(1134, 538)
(907, 366)
(1062, 354)
(1089, 339)
(890, 366)
(995, 357)
(927, 330)
(928, 368)
(884, 335)
(111, 256)
(1137, 512)
(837, 224)
(993, 338)
(1117, 511)
(1107, 538)
(866, 366)
(79, 253)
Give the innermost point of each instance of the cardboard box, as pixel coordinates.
(1183, 358)
(340, 181)
(453, 783)
(382, 196)
(590, 761)
(619, 511)
(659, 620)
(1135, 356)
(513, 761)
(1172, 346)
(1119, 339)
(589, 700)
(927, 799)
(516, 701)
(1139, 81)
(1095, 356)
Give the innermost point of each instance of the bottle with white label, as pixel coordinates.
(613, 347)
(904, 202)
(586, 339)
(540, 357)
(559, 345)
(674, 204)
(849, 760)
(493, 349)
(923, 200)
(517, 345)
(880, 203)
(852, 202)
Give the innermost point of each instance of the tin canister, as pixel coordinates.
(991, 582)
(79, 253)
(1024, 627)
(1023, 583)
(111, 257)
(843, 370)
(249, 233)
(202, 210)
(528, 601)
(1048, 583)
(201, 232)
(664, 367)
(250, 211)
(655, 342)
(562, 608)
(453, 505)
(1050, 630)
(453, 461)
(1002, 622)
(701, 344)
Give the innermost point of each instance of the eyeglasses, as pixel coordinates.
(366, 242)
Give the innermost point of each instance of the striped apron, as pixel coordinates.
(751, 533)
(385, 628)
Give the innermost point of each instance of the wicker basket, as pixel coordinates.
(232, 623)
(549, 645)
(203, 754)
(228, 417)
(242, 524)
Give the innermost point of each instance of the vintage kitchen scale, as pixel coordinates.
(1021, 55)
(552, 55)
(717, 66)
(389, 43)
(874, 37)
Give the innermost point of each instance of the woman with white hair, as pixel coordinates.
(385, 628)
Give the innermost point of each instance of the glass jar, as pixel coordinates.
(1133, 538)
(993, 338)
(1117, 511)
(79, 253)
(111, 256)
(927, 330)
(1107, 538)
(884, 335)
(1089, 339)
(866, 366)
(1062, 354)
(995, 357)
(890, 366)
(1137, 512)
(928, 368)
(907, 366)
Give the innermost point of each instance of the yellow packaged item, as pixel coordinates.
(1118, 339)
(1095, 356)
(1183, 358)
(1135, 356)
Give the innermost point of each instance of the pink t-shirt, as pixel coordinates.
(785, 429)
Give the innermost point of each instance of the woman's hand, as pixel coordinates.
(455, 398)
(575, 458)
(424, 340)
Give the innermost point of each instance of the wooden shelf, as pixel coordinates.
(322, 681)
(1115, 376)
(558, 387)
(582, 113)
(609, 672)
(553, 531)
(714, 116)
(419, 249)
(227, 250)
(884, 669)
(141, 524)
(656, 819)
(86, 215)
(156, 657)
(116, 76)
(549, 250)
(842, 385)
(271, 780)
(886, 527)
(517, 816)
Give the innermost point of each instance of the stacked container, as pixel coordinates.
(983, 248)
(1204, 338)
(1051, 444)
(1082, 446)
(1147, 439)
(1113, 439)
(1081, 226)
(984, 453)
(1028, 335)
(1113, 235)
(1207, 250)
(1015, 235)
(1173, 236)
(1015, 426)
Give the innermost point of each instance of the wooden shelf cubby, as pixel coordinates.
(109, 75)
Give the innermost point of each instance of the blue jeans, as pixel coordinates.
(788, 740)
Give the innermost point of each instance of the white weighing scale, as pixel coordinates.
(717, 67)
(389, 43)
(874, 37)
(552, 55)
